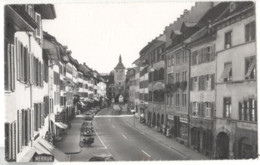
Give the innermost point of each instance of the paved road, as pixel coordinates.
(125, 143)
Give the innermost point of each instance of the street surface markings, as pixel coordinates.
(113, 116)
(146, 153)
(101, 140)
(124, 136)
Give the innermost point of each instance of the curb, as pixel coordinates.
(155, 139)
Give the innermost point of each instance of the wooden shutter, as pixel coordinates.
(22, 63)
(212, 55)
(18, 55)
(18, 132)
(35, 117)
(12, 68)
(240, 110)
(191, 83)
(212, 81)
(39, 115)
(25, 127)
(13, 125)
(42, 114)
(255, 109)
(7, 67)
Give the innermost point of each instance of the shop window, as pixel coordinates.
(250, 68)
(250, 32)
(228, 38)
(227, 107)
(227, 72)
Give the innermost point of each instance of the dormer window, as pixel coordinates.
(38, 31)
(232, 7)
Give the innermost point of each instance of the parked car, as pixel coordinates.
(87, 124)
(89, 116)
(102, 158)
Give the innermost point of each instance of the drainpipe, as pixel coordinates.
(188, 86)
(30, 86)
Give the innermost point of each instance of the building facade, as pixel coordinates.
(236, 99)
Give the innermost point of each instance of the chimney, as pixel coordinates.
(185, 12)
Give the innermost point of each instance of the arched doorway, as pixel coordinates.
(222, 146)
(245, 149)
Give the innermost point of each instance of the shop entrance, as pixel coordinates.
(222, 146)
(245, 149)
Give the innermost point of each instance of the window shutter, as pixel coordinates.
(7, 66)
(18, 55)
(213, 52)
(247, 27)
(12, 85)
(245, 110)
(39, 115)
(250, 109)
(35, 117)
(191, 84)
(18, 132)
(224, 108)
(240, 110)
(212, 81)
(255, 109)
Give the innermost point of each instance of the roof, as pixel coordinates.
(47, 11)
(120, 64)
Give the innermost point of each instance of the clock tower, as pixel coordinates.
(119, 80)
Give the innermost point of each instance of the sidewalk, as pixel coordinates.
(70, 140)
(169, 142)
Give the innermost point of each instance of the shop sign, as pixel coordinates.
(170, 117)
(247, 126)
(58, 118)
(183, 120)
(43, 158)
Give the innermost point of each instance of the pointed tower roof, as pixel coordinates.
(120, 64)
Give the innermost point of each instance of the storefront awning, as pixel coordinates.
(58, 155)
(250, 69)
(61, 125)
(58, 124)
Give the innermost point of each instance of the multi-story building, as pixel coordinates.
(202, 82)
(119, 80)
(178, 69)
(153, 52)
(26, 82)
(130, 87)
(137, 100)
(236, 96)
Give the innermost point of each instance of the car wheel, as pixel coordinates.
(81, 143)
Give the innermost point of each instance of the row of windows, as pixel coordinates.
(249, 35)
(247, 109)
(204, 82)
(156, 75)
(182, 74)
(250, 69)
(203, 55)
(176, 59)
(156, 56)
(157, 96)
(202, 109)
(180, 100)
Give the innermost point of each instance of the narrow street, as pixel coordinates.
(114, 136)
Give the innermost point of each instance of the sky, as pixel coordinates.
(97, 33)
